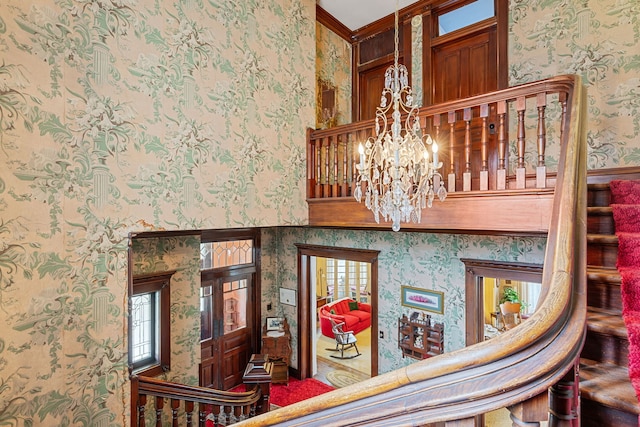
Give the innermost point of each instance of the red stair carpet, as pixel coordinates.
(625, 204)
(296, 391)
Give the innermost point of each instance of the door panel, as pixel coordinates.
(463, 67)
(226, 341)
(371, 84)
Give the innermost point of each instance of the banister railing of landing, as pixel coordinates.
(191, 405)
(503, 142)
(529, 369)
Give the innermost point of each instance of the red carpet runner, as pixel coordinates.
(296, 391)
(625, 204)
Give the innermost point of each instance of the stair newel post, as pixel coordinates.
(310, 165)
(541, 169)
(521, 105)
(452, 140)
(466, 176)
(484, 171)
(564, 400)
(501, 182)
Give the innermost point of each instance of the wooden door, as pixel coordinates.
(371, 84)
(464, 66)
(226, 328)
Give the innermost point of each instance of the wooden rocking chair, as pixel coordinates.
(344, 341)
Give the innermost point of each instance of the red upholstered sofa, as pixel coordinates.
(356, 319)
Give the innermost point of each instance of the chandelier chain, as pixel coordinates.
(396, 173)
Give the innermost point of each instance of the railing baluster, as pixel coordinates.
(203, 410)
(520, 169)
(436, 125)
(318, 164)
(159, 407)
(175, 405)
(188, 408)
(311, 168)
(466, 177)
(142, 403)
(452, 140)
(501, 181)
(344, 188)
(326, 191)
(335, 148)
(484, 171)
(541, 169)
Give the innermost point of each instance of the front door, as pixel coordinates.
(226, 338)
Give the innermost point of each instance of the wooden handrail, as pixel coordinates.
(224, 406)
(517, 367)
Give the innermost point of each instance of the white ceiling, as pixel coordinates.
(355, 14)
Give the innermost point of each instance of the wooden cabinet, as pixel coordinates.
(420, 338)
(277, 346)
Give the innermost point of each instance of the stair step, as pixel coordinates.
(607, 339)
(609, 386)
(602, 249)
(603, 290)
(598, 194)
(600, 220)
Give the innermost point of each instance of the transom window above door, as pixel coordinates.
(226, 253)
(464, 16)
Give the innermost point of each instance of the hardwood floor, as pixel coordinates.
(359, 366)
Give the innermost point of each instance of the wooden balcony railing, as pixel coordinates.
(531, 369)
(492, 145)
(200, 406)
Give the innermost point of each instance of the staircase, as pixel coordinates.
(607, 397)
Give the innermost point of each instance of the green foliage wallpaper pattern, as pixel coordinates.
(121, 116)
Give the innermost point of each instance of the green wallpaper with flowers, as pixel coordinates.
(120, 116)
(429, 261)
(597, 40)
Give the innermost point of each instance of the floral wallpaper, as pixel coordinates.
(333, 65)
(424, 260)
(597, 40)
(120, 116)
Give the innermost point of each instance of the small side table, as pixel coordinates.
(277, 344)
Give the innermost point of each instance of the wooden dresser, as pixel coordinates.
(277, 346)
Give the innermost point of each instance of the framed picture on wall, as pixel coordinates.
(422, 299)
(275, 323)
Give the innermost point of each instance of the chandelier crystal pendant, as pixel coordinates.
(395, 170)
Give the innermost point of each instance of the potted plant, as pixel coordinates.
(510, 301)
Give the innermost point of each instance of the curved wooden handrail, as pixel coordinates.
(208, 400)
(520, 364)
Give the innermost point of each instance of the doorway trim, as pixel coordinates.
(305, 252)
(474, 271)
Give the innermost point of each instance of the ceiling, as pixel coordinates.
(355, 14)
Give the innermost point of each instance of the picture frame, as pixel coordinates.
(275, 323)
(288, 296)
(422, 299)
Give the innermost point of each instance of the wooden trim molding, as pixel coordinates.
(325, 18)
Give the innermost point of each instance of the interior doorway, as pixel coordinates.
(308, 300)
(481, 278)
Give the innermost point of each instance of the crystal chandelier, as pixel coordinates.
(395, 168)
